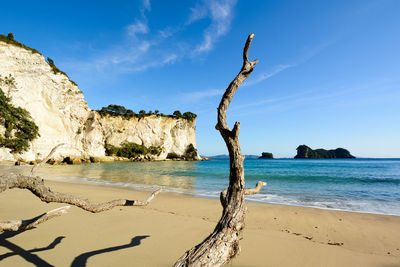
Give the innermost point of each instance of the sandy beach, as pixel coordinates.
(157, 235)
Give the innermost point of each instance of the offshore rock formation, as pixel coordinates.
(58, 107)
(304, 152)
(266, 155)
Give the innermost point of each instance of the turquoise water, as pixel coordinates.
(364, 185)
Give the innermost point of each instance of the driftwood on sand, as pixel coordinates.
(223, 243)
(36, 186)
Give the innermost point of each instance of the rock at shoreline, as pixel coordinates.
(266, 155)
(101, 159)
(72, 160)
(305, 152)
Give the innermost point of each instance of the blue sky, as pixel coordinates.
(328, 74)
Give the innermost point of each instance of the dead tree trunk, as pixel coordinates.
(223, 244)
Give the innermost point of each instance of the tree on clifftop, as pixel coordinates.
(10, 36)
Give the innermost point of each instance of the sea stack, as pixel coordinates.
(266, 155)
(305, 152)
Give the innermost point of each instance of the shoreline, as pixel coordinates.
(275, 235)
(192, 193)
(141, 187)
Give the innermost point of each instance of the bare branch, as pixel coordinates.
(246, 48)
(234, 85)
(46, 159)
(255, 190)
(22, 225)
(37, 187)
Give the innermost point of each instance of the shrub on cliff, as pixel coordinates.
(121, 111)
(20, 129)
(131, 150)
(177, 114)
(10, 36)
(57, 70)
(189, 116)
(191, 152)
(9, 39)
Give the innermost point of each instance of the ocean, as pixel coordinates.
(361, 185)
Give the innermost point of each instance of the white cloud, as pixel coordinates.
(220, 13)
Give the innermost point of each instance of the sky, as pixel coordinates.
(328, 74)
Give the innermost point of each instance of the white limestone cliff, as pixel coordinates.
(58, 108)
(173, 135)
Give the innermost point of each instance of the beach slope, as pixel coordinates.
(160, 233)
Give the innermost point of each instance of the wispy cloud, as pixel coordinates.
(200, 11)
(138, 27)
(221, 15)
(326, 96)
(199, 95)
(261, 77)
(142, 48)
(169, 59)
(146, 5)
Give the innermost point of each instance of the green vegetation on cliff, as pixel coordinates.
(57, 70)
(9, 39)
(131, 150)
(121, 111)
(305, 152)
(190, 154)
(19, 128)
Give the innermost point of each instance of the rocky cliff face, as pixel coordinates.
(58, 107)
(173, 135)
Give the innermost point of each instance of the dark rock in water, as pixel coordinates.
(266, 155)
(305, 152)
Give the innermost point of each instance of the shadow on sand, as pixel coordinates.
(26, 254)
(81, 260)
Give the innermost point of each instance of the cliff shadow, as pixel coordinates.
(82, 259)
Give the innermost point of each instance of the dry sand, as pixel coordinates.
(160, 233)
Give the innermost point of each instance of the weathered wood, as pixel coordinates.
(37, 187)
(22, 225)
(46, 159)
(223, 243)
(255, 190)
